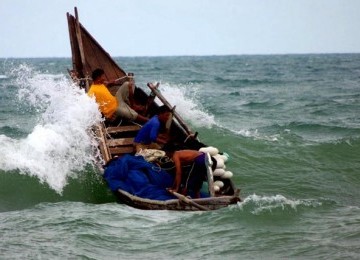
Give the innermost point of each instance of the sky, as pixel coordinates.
(38, 28)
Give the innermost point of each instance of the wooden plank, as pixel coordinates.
(120, 142)
(88, 54)
(102, 143)
(188, 201)
(210, 176)
(121, 150)
(81, 47)
(174, 204)
(97, 57)
(72, 40)
(121, 129)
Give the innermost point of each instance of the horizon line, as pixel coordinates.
(189, 55)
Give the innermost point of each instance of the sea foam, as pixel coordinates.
(185, 99)
(264, 204)
(60, 144)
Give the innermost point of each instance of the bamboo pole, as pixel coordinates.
(188, 201)
(166, 103)
(81, 48)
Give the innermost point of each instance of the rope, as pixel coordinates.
(86, 78)
(187, 180)
(131, 77)
(192, 135)
(156, 168)
(187, 138)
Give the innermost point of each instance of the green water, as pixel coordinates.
(290, 124)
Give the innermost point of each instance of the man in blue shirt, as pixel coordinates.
(149, 136)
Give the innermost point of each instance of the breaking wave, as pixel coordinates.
(60, 143)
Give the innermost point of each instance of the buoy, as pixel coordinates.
(219, 172)
(218, 156)
(220, 163)
(227, 175)
(219, 183)
(210, 149)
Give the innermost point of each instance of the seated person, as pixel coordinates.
(149, 136)
(126, 94)
(110, 106)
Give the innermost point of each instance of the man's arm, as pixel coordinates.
(179, 158)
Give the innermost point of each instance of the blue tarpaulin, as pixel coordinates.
(138, 177)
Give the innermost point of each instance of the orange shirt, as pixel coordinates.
(107, 102)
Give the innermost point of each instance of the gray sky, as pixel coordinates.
(38, 28)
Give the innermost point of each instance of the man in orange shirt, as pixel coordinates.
(110, 105)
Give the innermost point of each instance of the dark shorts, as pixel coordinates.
(200, 160)
(194, 179)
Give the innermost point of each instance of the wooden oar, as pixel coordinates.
(187, 200)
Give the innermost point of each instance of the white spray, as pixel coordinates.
(186, 104)
(60, 145)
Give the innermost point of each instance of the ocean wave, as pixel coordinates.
(301, 133)
(59, 144)
(184, 97)
(257, 134)
(12, 131)
(258, 205)
(325, 132)
(235, 82)
(266, 104)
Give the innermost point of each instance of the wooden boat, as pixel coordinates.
(115, 141)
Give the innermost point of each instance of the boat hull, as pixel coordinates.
(116, 140)
(211, 203)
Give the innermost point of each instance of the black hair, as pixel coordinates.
(97, 73)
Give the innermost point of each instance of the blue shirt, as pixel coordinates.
(149, 131)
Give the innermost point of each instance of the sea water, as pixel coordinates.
(289, 123)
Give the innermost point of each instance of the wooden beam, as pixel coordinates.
(99, 129)
(121, 129)
(81, 48)
(121, 150)
(120, 142)
(182, 123)
(188, 201)
(210, 176)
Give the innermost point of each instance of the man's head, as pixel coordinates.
(164, 113)
(96, 74)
